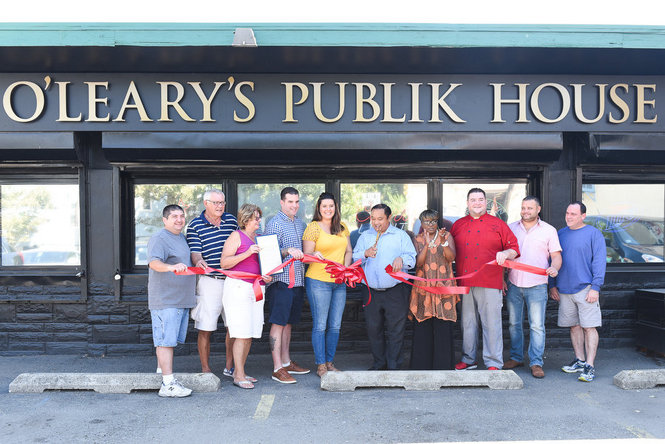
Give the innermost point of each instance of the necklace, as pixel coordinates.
(432, 243)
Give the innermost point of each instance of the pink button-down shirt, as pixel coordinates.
(535, 248)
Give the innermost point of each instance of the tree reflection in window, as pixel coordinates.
(267, 197)
(406, 200)
(150, 200)
(40, 225)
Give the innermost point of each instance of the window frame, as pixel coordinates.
(50, 275)
(130, 278)
(127, 248)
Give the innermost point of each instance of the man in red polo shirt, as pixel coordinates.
(481, 238)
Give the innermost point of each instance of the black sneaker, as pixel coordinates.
(576, 366)
(588, 373)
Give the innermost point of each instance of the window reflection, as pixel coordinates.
(406, 200)
(631, 218)
(150, 200)
(40, 225)
(504, 200)
(266, 196)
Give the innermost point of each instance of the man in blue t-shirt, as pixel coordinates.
(577, 288)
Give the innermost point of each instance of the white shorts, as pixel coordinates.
(244, 315)
(208, 303)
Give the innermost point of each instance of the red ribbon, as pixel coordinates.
(404, 277)
(350, 275)
(354, 274)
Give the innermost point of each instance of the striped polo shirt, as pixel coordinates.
(207, 239)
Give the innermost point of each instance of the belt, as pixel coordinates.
(381, 289)
(215, 276)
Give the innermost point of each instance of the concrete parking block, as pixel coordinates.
(639, 379)
(108, 382)
(421, 380)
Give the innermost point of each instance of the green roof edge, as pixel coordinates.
(333, 34)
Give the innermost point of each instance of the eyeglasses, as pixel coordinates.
(429, 222)
(217, 203)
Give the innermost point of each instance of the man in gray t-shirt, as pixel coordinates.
(170, 296)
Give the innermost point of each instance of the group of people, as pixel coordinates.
(479, 244)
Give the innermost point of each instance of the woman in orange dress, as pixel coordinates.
(434, 314)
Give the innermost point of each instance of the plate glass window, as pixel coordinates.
(406, 201)
(504, 200)
(40, 225)
(631, 218)
(150, 200)
(267, 197)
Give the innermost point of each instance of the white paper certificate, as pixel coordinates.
(269, 256)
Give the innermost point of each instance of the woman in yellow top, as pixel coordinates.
(326, 237)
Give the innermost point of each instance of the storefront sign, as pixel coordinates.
(149, 102)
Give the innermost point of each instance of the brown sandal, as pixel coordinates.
(331, 367)
(321, 370)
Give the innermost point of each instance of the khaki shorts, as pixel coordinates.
(575, 310)
(208, 303)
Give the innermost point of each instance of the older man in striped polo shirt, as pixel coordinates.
(206, 235)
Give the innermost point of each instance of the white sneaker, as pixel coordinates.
(174, 390)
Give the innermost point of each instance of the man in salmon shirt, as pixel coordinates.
(481, 238)
(539, 246)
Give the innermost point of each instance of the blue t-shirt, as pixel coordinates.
(584, 255)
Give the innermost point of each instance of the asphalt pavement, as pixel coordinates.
(558, 407)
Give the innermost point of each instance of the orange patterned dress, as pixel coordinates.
(425, 305)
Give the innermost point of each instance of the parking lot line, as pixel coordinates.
(264, 407)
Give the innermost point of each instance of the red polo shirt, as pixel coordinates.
(477, 242)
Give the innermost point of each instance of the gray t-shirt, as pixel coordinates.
(168, 290)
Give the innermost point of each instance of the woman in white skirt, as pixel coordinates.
(244, 315)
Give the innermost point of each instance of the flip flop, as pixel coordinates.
(243, 384)
(251, 379)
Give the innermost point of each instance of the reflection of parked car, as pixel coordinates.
(51, 257)
(631, 238)
(10, 256)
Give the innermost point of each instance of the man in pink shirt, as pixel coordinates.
(539, 246)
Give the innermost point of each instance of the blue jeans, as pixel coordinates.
(536, 302)
(327, 301)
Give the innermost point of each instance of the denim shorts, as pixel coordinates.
(169, 326)
(285, 303)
